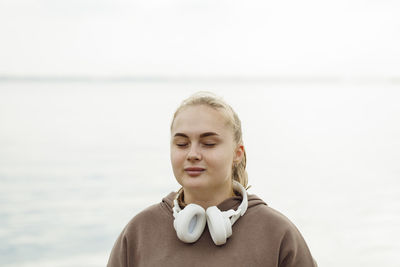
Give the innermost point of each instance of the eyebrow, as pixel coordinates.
(201, 136)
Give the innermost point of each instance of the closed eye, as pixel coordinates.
(181, 145)
(205, 144)
(210, 145)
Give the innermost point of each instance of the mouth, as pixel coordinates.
(194, 171)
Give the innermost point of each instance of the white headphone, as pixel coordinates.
(189, 223)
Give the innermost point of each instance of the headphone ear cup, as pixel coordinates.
(220, 226)
(189, 223)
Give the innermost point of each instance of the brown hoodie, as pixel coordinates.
(262, 237)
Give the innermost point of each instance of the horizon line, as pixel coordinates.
(203, 78)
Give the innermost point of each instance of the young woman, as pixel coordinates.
(211, 220)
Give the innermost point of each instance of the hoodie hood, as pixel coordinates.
(229, 203)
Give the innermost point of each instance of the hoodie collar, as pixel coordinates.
(229, 203)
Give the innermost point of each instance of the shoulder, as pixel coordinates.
(268, 215)
(273, 229)
(149, 218)
(137, 231)
(271, 222)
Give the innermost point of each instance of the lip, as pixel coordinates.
(194, 171)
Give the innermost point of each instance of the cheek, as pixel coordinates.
(177, 158)
(221, 160)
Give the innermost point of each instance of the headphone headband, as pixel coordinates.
(243, 206)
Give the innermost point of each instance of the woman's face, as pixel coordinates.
(203, 149)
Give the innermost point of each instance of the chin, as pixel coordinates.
(194, 183)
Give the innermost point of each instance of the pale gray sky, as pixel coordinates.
(200, 37)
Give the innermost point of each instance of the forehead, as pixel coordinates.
(199, 119)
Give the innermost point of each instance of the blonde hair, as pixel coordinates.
(211, 100)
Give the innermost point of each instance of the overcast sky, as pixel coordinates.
(200, 37)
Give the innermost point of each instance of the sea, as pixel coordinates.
(79, 158)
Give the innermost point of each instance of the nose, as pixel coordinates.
(194, 154)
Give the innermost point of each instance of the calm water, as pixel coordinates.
(78, 160)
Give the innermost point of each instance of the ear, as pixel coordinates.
(239, 154)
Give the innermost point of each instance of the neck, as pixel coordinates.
(205, 198)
